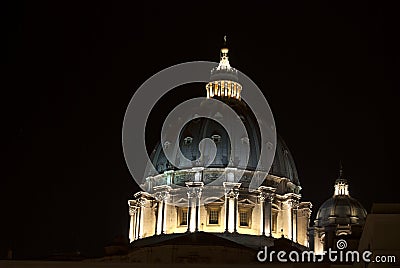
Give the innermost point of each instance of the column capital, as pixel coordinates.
(132, 210)
(293, 203)
(132, 203)
(194, 189)
(266, 193)
(143, 195)
(231, 189)
(266, 189)
(161, 192)
(230, 185)
(137, 203)
(233, 194)
(292, 196)
(305, 205)
(141, 202)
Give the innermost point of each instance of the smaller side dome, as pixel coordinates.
(341, 208)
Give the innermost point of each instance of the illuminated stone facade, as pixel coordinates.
(273, 210)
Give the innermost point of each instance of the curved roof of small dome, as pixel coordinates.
(343, 209)
(200, 128)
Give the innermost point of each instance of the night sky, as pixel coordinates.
(327, 70)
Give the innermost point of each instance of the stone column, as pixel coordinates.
(262, 213)
(162, 195)
(141, 203)
(266, 198)
(292, 204)
(164, 218)
(198, 192)
(158, 216)
(226, 213)
(269, 213)
(231, 200)
(194, 195)
(132, 214)
(190, 221)
(232, 212)
(291, 223)
(236, 195)
(137, 223)
(290, 220)
(295, 212)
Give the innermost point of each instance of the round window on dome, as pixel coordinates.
(187, 140)
(216, 138)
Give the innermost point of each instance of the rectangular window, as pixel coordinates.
(183, 217)
(213, 216)
(244, 218)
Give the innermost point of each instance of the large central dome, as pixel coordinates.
(224, 86)
(220, 169)
(201, 128)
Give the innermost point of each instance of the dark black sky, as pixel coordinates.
(327, 70)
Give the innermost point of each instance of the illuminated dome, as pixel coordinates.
(341, 208)
(205, 187)
(224, 85)
(198, 129)
(339, 217)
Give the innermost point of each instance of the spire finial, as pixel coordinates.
(224, 55)
(341, 185)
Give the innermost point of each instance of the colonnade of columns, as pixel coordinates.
(289, 209)
(136, 213)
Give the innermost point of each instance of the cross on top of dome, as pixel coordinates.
(224, 59)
